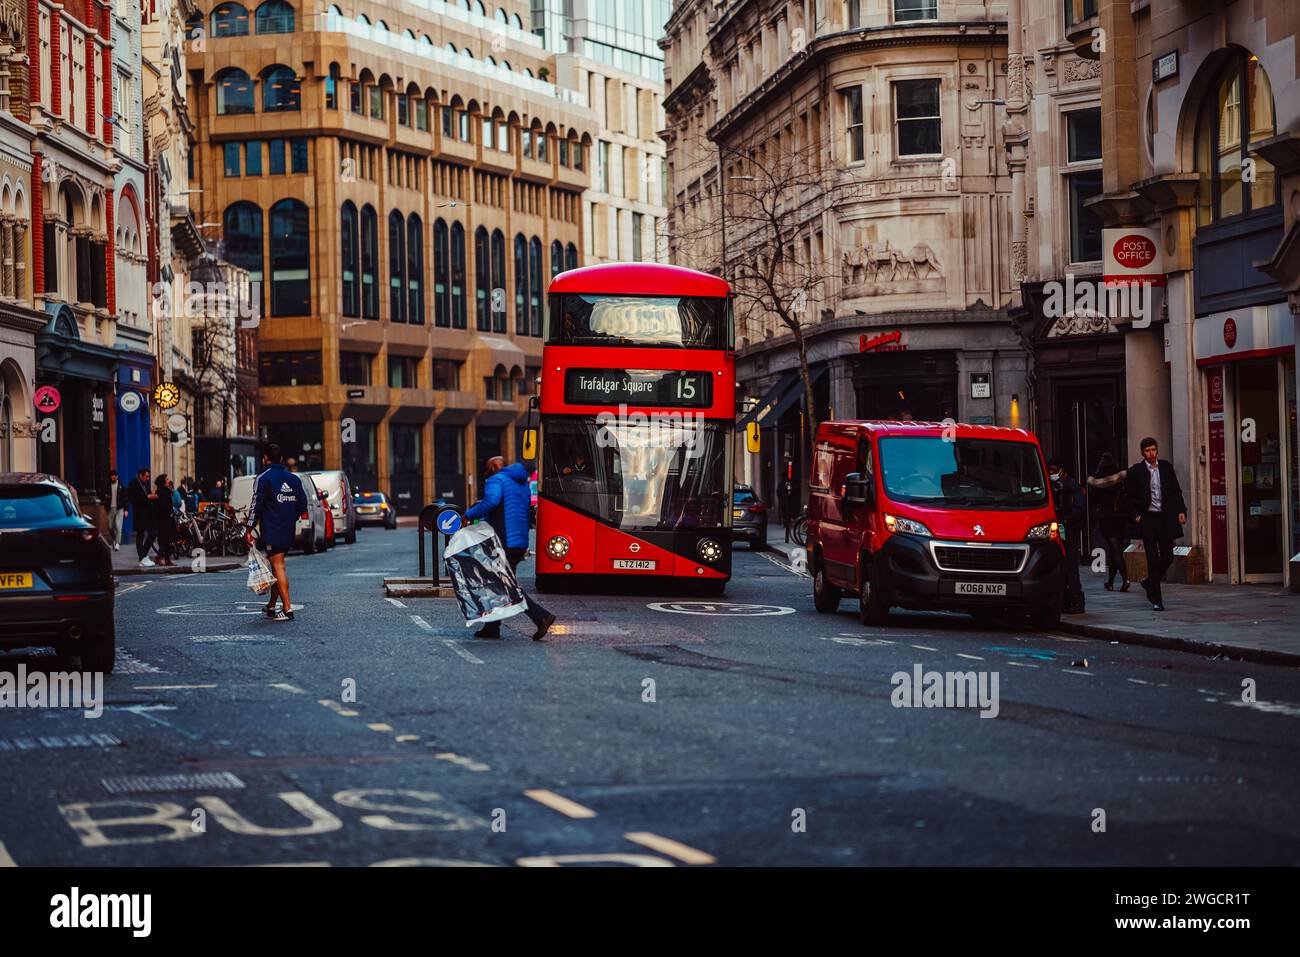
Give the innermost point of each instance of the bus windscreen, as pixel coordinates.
(663, 474)
(686, 322)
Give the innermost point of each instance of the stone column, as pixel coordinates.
(20, 260)
(1147, 389)
(7, 257)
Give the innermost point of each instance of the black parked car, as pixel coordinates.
(374, 508)
(56, 572)
(748, 517)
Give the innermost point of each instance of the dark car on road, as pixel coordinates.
(748, 517)
(374, 508)
(56, 572)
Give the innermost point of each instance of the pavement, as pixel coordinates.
(650, 728)
(125, 562)
(1245, 622)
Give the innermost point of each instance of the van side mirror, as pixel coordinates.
(857, 489)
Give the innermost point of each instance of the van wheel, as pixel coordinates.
(873, 602)
(351, 537)
(826, 597)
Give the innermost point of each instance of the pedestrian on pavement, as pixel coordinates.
(505, 505)
(278, 500)
(164, 519)
(1155, 501)
(115, 496)
(218, 491)
(1110, 513)
(786, 499)
(140, 497)
(1071, 512)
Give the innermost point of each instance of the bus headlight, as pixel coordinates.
(557, 547)
(709, 550)
(1047, 530)
(896, 523)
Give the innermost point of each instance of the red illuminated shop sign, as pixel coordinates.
(891, 341)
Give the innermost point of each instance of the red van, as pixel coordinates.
(929, 515)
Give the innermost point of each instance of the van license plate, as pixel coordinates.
(982, 588)
(635, 564)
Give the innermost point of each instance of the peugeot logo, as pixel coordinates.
(979, 529)
(634, 547)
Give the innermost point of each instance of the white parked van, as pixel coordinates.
(338, 490)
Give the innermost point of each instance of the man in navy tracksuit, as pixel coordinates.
(278, 500)
(507, 504)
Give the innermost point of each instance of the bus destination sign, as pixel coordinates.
(651, 387)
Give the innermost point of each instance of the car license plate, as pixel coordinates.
(737, 513)
(15, 579)
(636, 564)
(982, 588)
(366, 510)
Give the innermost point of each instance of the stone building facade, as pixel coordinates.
(401, 180)
(1200, 122)
(19, 320)
(898, 104)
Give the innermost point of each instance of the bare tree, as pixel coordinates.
(765, 202)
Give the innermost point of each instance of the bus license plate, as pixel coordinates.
(635, 564)
(15, 579)
(982, 588)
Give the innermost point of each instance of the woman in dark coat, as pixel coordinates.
(1106, 492)
(164, 520)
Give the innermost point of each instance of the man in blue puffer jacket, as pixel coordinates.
(506, 504)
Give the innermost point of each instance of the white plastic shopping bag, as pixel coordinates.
(485, 584)
(260, 577)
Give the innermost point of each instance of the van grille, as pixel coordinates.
(958, 558)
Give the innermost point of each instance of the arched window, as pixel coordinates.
(350, 266)
(369, 262)
(521, 285)
(275, 16)
(241, 228)
(234, 92)
(290, 229)
(441, 275)
(281, 90)
(1238, 111)
(458, 305)
(536, 267)
(516, 22)
(415, 269)
(229, 20)
(396, 267)
(482, 280)
(570, 256)
(501, 16)
(499, 278)
(332, 82)
(557, 259)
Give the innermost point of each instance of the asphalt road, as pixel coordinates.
(637, 734)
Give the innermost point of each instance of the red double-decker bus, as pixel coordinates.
(637, 411)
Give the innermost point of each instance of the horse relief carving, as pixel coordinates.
(869, 269)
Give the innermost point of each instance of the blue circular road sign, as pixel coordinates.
(450, 521)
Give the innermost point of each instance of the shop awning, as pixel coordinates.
(769, 401)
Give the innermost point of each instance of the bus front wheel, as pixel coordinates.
(545, 583)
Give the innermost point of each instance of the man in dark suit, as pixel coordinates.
(141, 496)
(1156, 503)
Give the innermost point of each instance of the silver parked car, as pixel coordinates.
(338, 490)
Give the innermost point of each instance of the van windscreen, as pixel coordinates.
(962, 473)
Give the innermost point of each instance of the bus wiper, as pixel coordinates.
(1020, 497)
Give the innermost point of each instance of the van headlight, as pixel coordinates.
(1048, 530)
(709, 550)
(896, 523)
(557, 547)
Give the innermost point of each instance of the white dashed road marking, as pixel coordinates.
(5, 859)
(394, 601)
(971, 657)
(454, 645)
(666, 845)
(557, 802)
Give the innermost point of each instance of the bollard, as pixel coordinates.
(438, 518)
